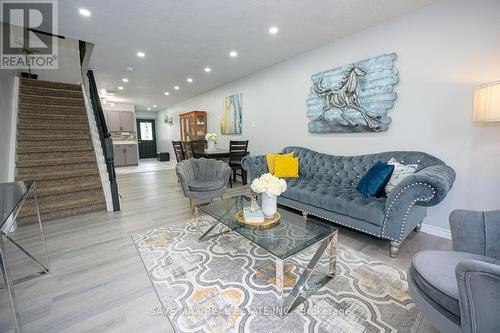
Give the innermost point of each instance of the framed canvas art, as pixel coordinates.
(232, 116)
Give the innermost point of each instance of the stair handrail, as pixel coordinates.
(105, 138)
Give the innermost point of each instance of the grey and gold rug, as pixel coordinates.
(226, 284)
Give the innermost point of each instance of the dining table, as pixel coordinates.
(218, 154)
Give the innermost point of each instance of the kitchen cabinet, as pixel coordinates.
(119, 155)
(127, 121)
(119, 121)
(125, 154)
(131, 155)
(113, 121)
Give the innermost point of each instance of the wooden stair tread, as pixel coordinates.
(54, 161)
(48, 175)
(47, 91)
(57, 154)
(25, 82)
(49, 149)
(61, 213)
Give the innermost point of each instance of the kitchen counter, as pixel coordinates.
(124, 142)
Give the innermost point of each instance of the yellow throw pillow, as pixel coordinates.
(271, 161)
(286, 167)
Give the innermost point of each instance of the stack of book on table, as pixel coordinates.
(253, 217)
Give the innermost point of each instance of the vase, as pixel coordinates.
(211, 145)
(269, 205)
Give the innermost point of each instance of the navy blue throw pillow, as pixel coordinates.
(373, 182)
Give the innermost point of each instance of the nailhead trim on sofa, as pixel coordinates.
(412, 204)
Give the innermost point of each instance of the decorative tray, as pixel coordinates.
(268, 223)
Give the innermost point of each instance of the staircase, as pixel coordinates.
(54, 147)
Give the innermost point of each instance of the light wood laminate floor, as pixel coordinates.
(97, 282)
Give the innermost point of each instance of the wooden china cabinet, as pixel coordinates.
(193, 125)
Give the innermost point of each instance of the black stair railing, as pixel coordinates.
(105, 137)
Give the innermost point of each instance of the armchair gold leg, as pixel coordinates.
(192, 202)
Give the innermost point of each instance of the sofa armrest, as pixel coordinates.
(429, 185)
(426, 187)
(476, 232)
(255, 166)
(479, 295)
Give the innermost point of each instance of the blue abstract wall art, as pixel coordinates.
(353, 98)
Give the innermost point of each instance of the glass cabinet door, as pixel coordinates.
(200, 122)
(192, 132)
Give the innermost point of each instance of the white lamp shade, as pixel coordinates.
(487, 103)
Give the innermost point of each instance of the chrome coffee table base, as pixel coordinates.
(20, 191)
(327, 244)
(298, 294)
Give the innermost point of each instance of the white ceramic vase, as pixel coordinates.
(211, 145)
(269, 205)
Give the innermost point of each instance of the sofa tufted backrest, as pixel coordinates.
(347, 170)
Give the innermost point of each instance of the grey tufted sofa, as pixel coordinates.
(326, 188)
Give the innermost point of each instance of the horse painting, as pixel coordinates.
(345, 96)
(353, 98)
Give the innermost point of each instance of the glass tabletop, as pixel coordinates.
(293, 234)
(11, 196)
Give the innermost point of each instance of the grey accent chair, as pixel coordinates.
(202, 178)
(459, 290)
(327, 184)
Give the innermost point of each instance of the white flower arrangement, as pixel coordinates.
(211, 137)
(267, 183)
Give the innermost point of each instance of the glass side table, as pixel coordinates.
(13, 197)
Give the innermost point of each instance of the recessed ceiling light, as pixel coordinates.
(129, 69)
(190, 80)
(120, 88)
(233, 54)
(166, 93)
(177, 88)
(208, 69)
(154, 105)
(84, 12)
(112, 104)
(149, 109)
(125, 79)
(141, 54)
(273, 30)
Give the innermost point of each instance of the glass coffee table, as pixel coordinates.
(294, 234)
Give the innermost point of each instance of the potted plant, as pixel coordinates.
(271, 187)
(27, 54)
(211, 140)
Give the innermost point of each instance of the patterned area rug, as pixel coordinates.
(226, 284)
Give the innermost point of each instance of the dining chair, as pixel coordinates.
(179, 151)
(238, 150)
(198, 147)
(188, 152)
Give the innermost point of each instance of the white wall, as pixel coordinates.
(7, 79)
(444, 50)
(68, 70)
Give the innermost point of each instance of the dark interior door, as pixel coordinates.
(146, 136)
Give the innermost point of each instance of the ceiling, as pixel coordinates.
(182, 37)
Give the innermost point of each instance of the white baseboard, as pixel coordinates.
(436, 231)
